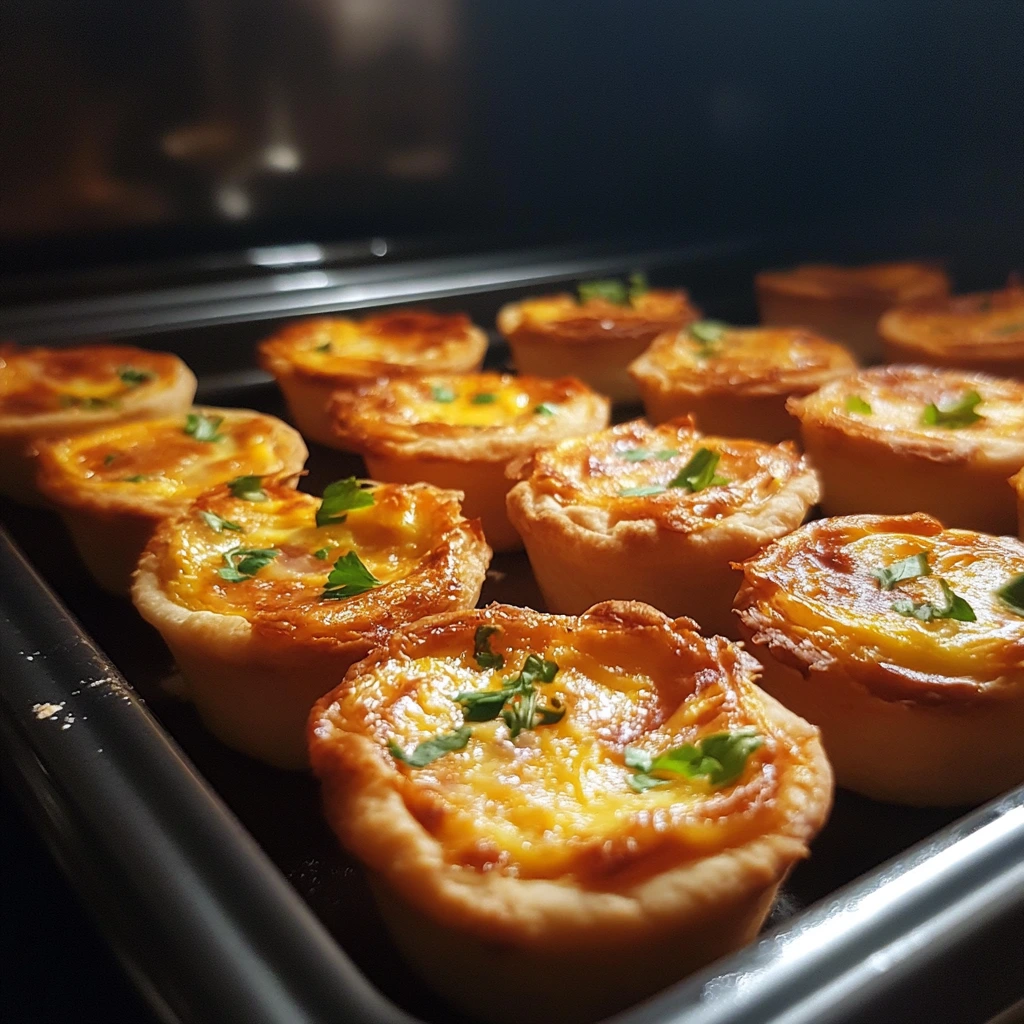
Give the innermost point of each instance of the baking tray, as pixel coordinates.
(226, 896)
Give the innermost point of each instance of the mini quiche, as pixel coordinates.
(655, 514)
(735, 380)
(112, 486)
(903, 642)
(900, 439)
(595, 334)
(984, 331)
(59, 392)
(845, 302)
(462, 431)
(610, 798)
(265, 595)
(314, 358)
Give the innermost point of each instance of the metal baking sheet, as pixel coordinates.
(228, 898)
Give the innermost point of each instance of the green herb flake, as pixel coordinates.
(642, 492)
(910, 568)
(957, 416)
(699, 473)
(430, 750)
(78, 402)
(610, 290)
(720, 757)
(243, 563)
(952, 607)
(857, 404)
(482, 653)
(203, 428)
(131, 377)
(643, 454)
(442, 393)
(638, 285)
(484, 398)
(516, 701)
(348, 578)
(341, 497)
(708, 333)
(545, 409)
(324, 347)
(322, 554)
(217, 523)
(110, 457)
(138, 478)
(248, 488)
(1012, 595)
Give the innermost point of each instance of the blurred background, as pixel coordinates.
(176, 127)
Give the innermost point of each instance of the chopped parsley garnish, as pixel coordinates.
(109, 458)
(442, 393)
(78, 402)
(348, 578)
(248, 488)
(217, 523)
(322, 554)
(243, 563)
(707, 333)
(643, 454)
(517, 699)
(909, 568)
(642, 492)
(138, 478)
(484, 398)
(1008, 328)
(340, 497)
(952, 607)
(202, 427)
(545, 409)
(482, 653)
(857, 404)
(431, 750)
(720, 758)
(1012, 595)
(133, 377)
(324, 347)
(960, 415)
(699, 472)
(619, 293)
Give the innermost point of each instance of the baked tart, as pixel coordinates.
(48, 392)
(735, 380)
(1017, 482)
(655, 514)
(983, 331)
(610, 797)
(901, 439)
(462, 431)
(265, 595)
(903, 642)
(314, 358)
(112, 486)
(845, 302)
(594, 334)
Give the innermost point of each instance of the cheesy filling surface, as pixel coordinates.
(900, 281)
(556, 799)
(94, 379)
(989, 319)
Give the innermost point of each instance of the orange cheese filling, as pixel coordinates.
(964, 323)
(43, 380)
(902, 282)
(556, 799)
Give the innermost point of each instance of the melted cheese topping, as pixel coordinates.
(597, 469)
(816, 585)
(158, 459)
(990, 320)
(404, 531)
(755, 359)
(564, 318)
(900, 282)
(556, 800)
(413, 340)
(86, 380)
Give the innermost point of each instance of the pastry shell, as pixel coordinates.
(111, 513)
(845, 302)
(888, 461)
(60, 392)
(595, 340)
(1017, 482)
(507, 852)
(256, 654)
(738, 385)
(397, 343)
(587, 542)
(405, 434)
(912, 712)
(983, 331)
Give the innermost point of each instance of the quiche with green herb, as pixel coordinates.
(904, 642)
(266, 595)
(609, 796)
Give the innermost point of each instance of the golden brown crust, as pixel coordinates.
(1017, 482)
(598, 884)
(890, 283)
(983, 331)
